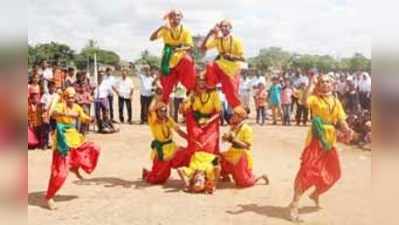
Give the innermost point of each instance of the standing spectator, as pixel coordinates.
(260, 103)
(226, 111)
(48, 123)
(146, 81)
(286, 102)
(352, 99)
(83, 97)
(365, 91)
(47, 75)
(58, 76)
(125, 93)
(179, 95)
(104, 123)
(341, 87)
(111, 81)
(275, 98)
(245, 90)
(301, 111)
(70, 78)
(34, 109)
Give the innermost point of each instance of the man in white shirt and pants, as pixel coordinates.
(110, 81)
(125, 94)
(146, 81)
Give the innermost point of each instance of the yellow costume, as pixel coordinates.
(330, 111)
(233, 155)
(178, 36)
(227, 45)
(201, 161)
(162, 132)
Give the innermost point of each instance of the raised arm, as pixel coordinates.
(155, 34)
(213, 31)
(309, 90)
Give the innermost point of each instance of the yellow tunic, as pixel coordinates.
(330, 110)
(227, 45)
(73, 137)
(201, 161)
(162, 131)
(175, 37)
(233, 155)
(205, 103)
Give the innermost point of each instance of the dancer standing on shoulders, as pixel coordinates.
(177, 64)
(320, 166)
(226, 67)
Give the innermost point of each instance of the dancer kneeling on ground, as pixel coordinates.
(238, 160)
(165, 153)
(202, 173)
(71, 151)
(320, 165)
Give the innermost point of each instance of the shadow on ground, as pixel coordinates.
(270, 211)
(37, 199)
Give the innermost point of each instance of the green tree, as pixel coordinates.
(270, 58)
(52, 51)
(149, 59)
(103, 56)
(359, 62)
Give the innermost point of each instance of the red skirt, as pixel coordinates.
(319, 168)
(84, 157)
(242, 175)
(32, 139)
(161, 170)
(230, 84)
(183, 72)
(209, 135)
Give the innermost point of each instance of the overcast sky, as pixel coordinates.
(336, 27)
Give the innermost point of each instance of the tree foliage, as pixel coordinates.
(147, 58)
(52, 51)
(276, 58)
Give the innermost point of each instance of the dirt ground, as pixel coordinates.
(115, 194)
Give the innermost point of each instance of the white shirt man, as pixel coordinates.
(146, 85)
(302, 80)
(125, 87)
(48, 73)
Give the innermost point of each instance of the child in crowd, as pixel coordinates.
(48, 123)
(260, 103)
(286, 101)
(275, 99)
(34, 110)
(301, 111)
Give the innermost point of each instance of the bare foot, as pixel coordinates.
(294, 214)
(316, 200)
(267, 181)
(78, 175)
(226, 179)
(144, 173)
(51, 204)
(186, 189)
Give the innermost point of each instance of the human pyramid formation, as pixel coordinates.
(201, 164)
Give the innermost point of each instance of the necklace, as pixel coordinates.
(330, 108)
(207, 97)
(222, 45)
(180, 31)
(165, 130)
